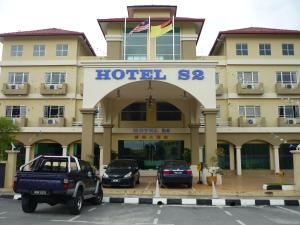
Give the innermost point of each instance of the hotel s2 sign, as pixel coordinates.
(146, 74)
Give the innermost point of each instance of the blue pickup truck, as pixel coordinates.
(57, 179)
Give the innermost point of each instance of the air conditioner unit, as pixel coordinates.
(52, 86)
(51, 121)
(249, 86)
(251, 121)
(291, 121)
(289, 86)
(14, 86)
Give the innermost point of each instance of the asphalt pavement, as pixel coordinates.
(133, 214)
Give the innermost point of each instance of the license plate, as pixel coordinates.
(178, 172)
(115, 180)
(40, 192)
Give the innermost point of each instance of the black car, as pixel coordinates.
(121, 172)
(175, 172)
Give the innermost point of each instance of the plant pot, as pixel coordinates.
(211, 179)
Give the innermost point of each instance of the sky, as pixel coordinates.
(82, 15)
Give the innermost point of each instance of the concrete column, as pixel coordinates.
(87, 140)
(101, 165)
(271, 158)
(201, 148)
(296, 160)
(194, 128)
(27, 153)
(276, 159)
(210, 133)
(65, 150)
(231, 157)
(107, 136)
(238, 160)
(10, 170)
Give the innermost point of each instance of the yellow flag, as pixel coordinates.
(161, 29)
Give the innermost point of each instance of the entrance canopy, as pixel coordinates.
(196, 78)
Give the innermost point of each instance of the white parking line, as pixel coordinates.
(158, 212)
(1, 213)
(228, 213)
(155, 221)
(92, 209)
(73, 218)
(289, 210)
(147, 187)
(2, 217)
(240, 222)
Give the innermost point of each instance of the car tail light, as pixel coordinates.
(189, 172)
(66, 185)
(15, 183)
(167, 172)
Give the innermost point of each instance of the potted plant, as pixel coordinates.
(213, 170)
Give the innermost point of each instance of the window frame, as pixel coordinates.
(143, 113)
(61, 78)
(16, 50)
(39, 50)
(293, 77)
(284, 108)
(241, 49)
(135, 57)
(9, 111)
(49, 108)
(265, 49)
(245, 109)
(242, 74)
(13, 75)
(61, 50)
(288, 49)
(168, 112)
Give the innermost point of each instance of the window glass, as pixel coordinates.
(53, 111)
(134, 112)
(241, 49)
(247, 77)
(136, 45)
(288, 111)
(55, 78)
(16, 50)
(167, 112)
(164, 45)
(62, 50)
(17, 78)
(16, 111)
(39, 50)
(249, 111)
(264, 49)
(217, 77)
(287, 49)
(286, 77)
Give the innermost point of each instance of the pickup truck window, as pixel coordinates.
(54, 165)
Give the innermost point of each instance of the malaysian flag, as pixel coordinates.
(142, 26)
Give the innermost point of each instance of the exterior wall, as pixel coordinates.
(157, 13)
(114, 50)
(188, 50)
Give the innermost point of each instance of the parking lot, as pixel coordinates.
(121, 214)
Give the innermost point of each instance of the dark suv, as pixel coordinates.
(121, 172)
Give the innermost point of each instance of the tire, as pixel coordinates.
(29, 204)
(189, 185)
(75, 204)
(132, 185)
(97, 200)
(138, 181)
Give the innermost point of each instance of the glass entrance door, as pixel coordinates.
(150, 153)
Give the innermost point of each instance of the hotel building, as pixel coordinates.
(154, 99)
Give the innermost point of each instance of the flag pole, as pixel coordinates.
(149, 33)
(173, 38)
(124, 42)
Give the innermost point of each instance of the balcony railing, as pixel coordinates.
(250, 89)
(20, 121)
(219, 89)
(54, 89)
(219, 122)
(251, 122)
(52, 122)
(15, 89)
(288, 122)
(287, 89)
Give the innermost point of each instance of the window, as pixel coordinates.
(17, 78)
(164, 45)
(99, 112)
(55, 78)
(61, 50)
(167, 112)
(136, 45)
(241, 49)
(247, 77)
(287, 49)
(51, 111)
(16, 50)
(39, 50)
(217, 78)
(249, 111)
(15, 111)
(264, 49)
(288, 111)
(218, 112)
(134, 112)
(286, 77)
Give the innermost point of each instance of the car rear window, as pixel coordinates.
(54, 165)
(175, 164)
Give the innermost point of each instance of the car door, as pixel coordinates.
(86, 177)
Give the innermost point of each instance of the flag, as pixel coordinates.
(161, 29)
(142, 26)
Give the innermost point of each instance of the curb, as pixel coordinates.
(190, 201)
(284, 187)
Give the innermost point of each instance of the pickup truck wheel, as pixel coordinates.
(75, 204)
(29, 204)
(97, 200)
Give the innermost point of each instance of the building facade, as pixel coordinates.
(154, 99)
